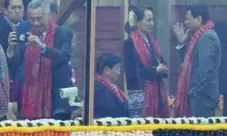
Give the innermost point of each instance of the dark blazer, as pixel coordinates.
(221, 29)
(106, 104)
(206, 61)
(135, 72)
(5, 29)
(60, 55)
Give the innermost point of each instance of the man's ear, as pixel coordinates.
(106, 70)
(199, 19)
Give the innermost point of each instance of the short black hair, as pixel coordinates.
(7, 2)
(200, 10)
(106, 60)
(54, 7)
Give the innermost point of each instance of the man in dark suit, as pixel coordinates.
(201, 61)
(14, 12)
(45, 57)
(221, 29)
(11, 16)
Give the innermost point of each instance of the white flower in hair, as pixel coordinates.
(132, 18)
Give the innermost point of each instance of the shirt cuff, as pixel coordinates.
(180, 46)
(43, 49)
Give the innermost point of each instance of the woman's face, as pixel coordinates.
(146, 24)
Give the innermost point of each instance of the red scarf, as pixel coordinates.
(116, 91)
(37, 85)
(151, 98)
(181, 101)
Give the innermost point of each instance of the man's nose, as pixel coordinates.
(36, 23)
(17, 10)
(152, 23)
(118, 71)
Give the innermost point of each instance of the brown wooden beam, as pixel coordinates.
(90, 62)
(71, 7)
(124, 15)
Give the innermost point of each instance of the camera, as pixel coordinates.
(22, 38)
(71, 94)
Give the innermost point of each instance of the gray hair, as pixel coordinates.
(34, 4)
(54, 6)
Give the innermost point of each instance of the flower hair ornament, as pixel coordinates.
(132, 18)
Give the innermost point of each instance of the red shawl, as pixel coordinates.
(181, 101)
(37, 85)
(151, 98)
(116, 91)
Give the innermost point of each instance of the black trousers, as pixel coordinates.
(201, 107)
(3, 118)
(225, 105)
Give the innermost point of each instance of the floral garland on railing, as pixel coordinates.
(150, 120)
(113, 126)
(115, 122)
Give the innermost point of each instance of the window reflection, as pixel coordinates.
(41, 70)
(171, 62)
(159, 80)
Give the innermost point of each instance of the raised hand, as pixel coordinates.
(180, 32)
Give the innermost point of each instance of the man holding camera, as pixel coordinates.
(11, 16)
(10, 20)
(45, 56)
(14, 12)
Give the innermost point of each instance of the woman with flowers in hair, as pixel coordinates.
(144, 67)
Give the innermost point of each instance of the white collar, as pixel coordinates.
(13, 25)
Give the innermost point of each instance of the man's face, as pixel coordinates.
(38, 19)
(114, 72)
(192, 22)
(15, 10)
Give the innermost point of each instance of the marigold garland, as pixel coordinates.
(47, 133)
(122, 126)
(63, 129)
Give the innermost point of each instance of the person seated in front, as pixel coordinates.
(109, 100)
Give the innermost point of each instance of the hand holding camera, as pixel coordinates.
(27, 38)
(33, 39)
(12, 39)
(16, 38)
